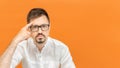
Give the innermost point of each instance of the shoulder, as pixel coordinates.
(61, 48)
(57, 43)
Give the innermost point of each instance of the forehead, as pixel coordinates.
(40, 20)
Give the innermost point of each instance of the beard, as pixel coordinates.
(40, 38)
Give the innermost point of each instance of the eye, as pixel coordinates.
(44, 25)
(35, 26)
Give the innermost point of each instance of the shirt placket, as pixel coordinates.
(39, 56)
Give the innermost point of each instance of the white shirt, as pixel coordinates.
(54, 54)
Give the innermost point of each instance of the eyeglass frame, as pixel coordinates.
(41, 26)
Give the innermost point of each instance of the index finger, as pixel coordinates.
(28, 25)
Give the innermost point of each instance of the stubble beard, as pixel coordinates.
(40, 40)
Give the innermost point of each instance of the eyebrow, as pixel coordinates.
(40, 25)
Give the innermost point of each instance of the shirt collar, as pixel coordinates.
(34, 47)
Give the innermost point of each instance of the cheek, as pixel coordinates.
(47, 33)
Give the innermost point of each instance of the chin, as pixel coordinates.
(40, 41)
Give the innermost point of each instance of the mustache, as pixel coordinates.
(40, 34)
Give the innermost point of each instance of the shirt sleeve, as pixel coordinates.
(66, 59)
(17, 57)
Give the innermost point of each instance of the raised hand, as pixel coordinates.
(23, 34)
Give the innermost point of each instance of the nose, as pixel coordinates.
(39, 30)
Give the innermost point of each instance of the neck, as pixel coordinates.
(40, 46)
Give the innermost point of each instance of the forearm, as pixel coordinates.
(5, 59)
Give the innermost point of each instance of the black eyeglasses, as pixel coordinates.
(35, 28)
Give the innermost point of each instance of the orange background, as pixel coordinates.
(90, 28)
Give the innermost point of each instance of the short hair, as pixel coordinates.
(35, 13)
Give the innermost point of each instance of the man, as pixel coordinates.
(35, 48)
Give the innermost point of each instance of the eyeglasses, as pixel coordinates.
(35, 28)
